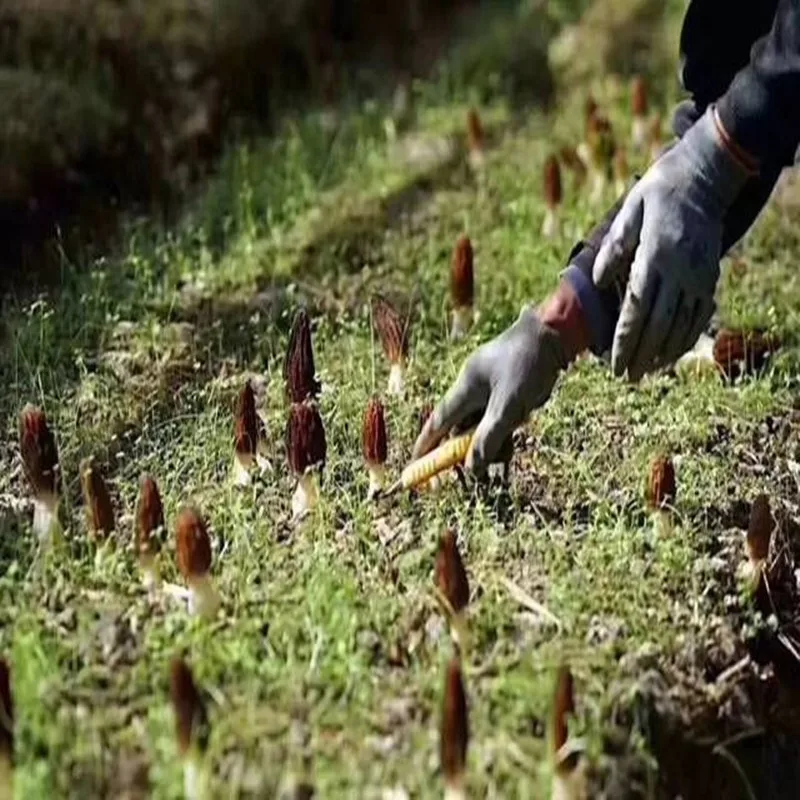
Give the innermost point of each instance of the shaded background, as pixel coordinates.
(109, 104)
(106, 102)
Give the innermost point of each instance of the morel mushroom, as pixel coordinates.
(462, 287)
(97, 500)
(572, 161)
(392, 329)
(661, 492)
(552, 196)
(639, 109)
(248, 436)
(654, 140)
(757, 541)
(738, 352)
(454, 733)
(476, 142)
(566, 754)
(453, 587)
(374, 445)
(597, 153)
(149, 529)
(40, 462)
(306, 450)
(191, 728)
(193, 549)
(299, 373)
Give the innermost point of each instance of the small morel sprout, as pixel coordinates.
(639, 109)
(462, 287)
(453, 586)
(661, 491)
(563, 706)
(393, 331)
(454, 733)
(599, 154)
(149, 529)
(193, 549)
(572, 161)
(654, 140)
(590, 110)
(374, 445)
(248, 436)
(306, 451)
(476, 141)
(738, 352)
(621, 172)
(40, 461)
(97, 500)
(299, 373)
(191, 728)
(6, 733)
(757, 541)
(552, 196)
(566, 754)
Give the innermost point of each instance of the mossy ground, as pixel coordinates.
(328, 659)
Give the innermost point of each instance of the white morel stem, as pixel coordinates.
(45, 516)
(570, 784)
(476, 159)
(700, 359)
(458, 630)
(662, 519)
(455, 791)
(6, 778)
(638, 133)
(104, 553)
(750, 574)
(151, 577)
(462, 321)
(306, 495)
(204, 600)
(262, 455)
(194, 781)
(377, 479)
(397, 380)
(598, 181)
(550, 223)
(242, 463)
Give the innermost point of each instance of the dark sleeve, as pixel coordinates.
(716, 39)
(761, 109)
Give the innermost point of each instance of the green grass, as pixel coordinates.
(328, 658)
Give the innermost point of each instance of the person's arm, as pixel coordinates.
(761, 108)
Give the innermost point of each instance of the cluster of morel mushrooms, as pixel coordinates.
(599, 159)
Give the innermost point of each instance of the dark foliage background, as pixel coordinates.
(117, 101)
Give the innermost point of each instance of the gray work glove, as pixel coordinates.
(670, 228)
(504, 380)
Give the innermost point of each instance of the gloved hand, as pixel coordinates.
(504, 380)
(670, 228)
